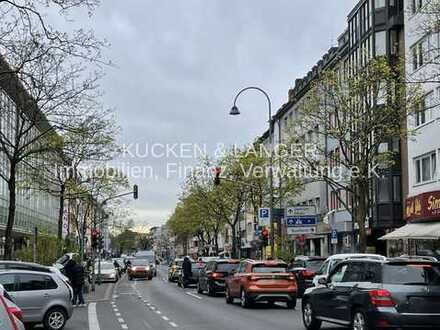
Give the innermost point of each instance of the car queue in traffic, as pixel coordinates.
(358, 291)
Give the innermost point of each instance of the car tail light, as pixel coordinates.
(381, 298)
(307, 273)
(292, 278)
(216, 275)
(16, 312)
(11, 313)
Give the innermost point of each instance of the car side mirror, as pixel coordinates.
(323, 281)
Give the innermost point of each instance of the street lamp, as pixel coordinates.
(235, 112)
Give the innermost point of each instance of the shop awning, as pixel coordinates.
(420, 231)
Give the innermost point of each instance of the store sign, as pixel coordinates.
(423, 207)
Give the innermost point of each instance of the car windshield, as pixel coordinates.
(269, 269)
(227, 268)
(105, 266)
(411, 274)
(197, 265)
(139, 262)
(314, 265)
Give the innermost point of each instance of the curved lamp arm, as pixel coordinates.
(261, 91)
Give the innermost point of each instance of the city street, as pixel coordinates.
(158, 304)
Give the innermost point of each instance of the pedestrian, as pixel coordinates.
(186, 271)
(77, 281)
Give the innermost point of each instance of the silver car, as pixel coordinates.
(43, 297)
(108, 272)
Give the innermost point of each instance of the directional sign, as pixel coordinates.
(300, 221)
(301, 230)
(264, 216)
(300, 211)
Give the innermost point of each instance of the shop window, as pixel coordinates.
(426, 168)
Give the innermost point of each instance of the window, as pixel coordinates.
(381, 43)
(338, 275)
(384, 189)
(8, 282)
(416, 6)
(30, 282)
(354, 272)
(418, 54)
(426, 168)
(396, 189)
(422, 112)
(378, 4)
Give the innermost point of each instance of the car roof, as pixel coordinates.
(25, 271)
(266, 262)
(307, 258)
(344, 256)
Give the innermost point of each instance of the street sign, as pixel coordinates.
(334, 239)
(264, 216)
(300, 211)
(301, 221)
(301, 230)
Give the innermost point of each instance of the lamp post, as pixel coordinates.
(235, 112)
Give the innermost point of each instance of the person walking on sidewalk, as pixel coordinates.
(77, 279)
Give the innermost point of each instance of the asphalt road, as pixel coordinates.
(158, 305)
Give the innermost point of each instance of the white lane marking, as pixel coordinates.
(115, 310)
(93, 317)
(124, 326)
(174, 325)
(193, 295)
(165, 318)
(158, 312)
(117, 314)
(121, 320)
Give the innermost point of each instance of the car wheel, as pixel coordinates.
(199, 288)
(229, 299)
(245, 302)
(55, 319)
(309, 320)
(359, 321)
(211, 291)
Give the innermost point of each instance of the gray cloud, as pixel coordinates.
(181, 62)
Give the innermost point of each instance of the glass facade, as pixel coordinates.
(35, 208)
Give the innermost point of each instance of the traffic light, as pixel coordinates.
(217, 172)
(94, 238)
(100, 242)
(135, 191)
(265, 237)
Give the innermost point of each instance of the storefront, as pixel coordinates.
(421, 234)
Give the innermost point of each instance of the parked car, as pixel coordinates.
(139, 268)
(173, 269)
(331, 262)
(305, 269)
(261, 281)
(11, 315)
(196, 267)
(212, 277)
(369, 294)
(43, 297)
(108, 272)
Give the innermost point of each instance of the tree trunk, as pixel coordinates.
(361, 214)
(11, 212)
(61, 212)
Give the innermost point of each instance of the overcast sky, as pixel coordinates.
(180, 63)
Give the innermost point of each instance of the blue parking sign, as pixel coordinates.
(264, 216)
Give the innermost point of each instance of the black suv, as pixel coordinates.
(370, 294)
(305, 269)
(212, 277)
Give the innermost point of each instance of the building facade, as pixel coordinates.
(34, 207)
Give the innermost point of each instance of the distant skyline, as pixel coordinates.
(180, 63)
